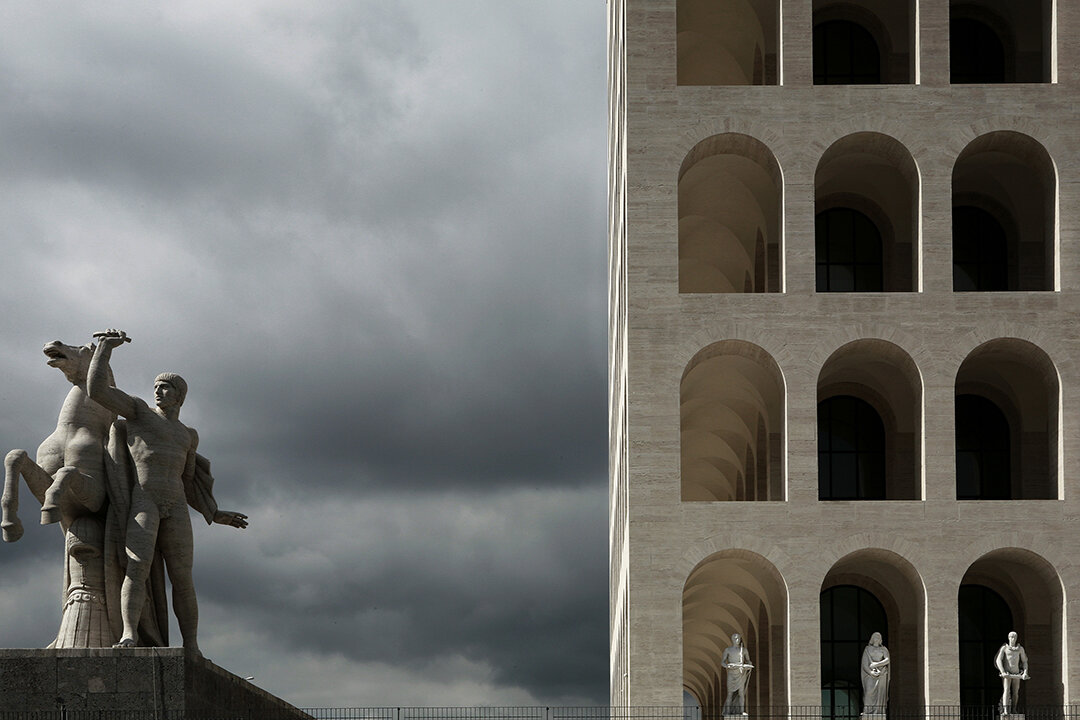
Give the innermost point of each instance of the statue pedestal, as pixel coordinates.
(741, 716)
(1012, 716)
(149, 680)
(872, 716)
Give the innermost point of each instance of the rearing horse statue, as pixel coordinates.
(68, 478)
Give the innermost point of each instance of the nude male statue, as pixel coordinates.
(1012, 664)
(163, 453)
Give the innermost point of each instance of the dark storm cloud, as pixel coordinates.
(439, 584)
(370, 235)
(168, 110)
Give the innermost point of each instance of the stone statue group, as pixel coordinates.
(118, 476)
(1011, 662)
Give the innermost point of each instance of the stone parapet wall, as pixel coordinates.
(169, 681)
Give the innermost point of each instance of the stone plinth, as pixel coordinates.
(163, 680)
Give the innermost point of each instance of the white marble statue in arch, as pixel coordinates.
(1011, 662)
(874, 670)
(736, 661)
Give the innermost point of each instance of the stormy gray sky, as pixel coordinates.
(370, 234)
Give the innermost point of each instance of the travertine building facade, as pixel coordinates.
(845, 397)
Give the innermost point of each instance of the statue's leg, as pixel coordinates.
(177, 547)
(17, 464)
(71, 493)
(141, 533)
(1006, 683)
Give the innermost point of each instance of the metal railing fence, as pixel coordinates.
(600, 712)
(592, 712)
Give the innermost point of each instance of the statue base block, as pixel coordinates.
(872, 716)
(167, 681)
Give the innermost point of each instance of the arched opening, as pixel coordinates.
(985, 621)
(1001, 41)
(732, 425)
(869, 424)
(864, 42)
(867, 220)
(734, 42)
(871, 591)
(730, 217)
(1007, 404)
(1004, 215)
(1031, 590)
(735, 592)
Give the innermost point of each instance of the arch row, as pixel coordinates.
(868, 216)
(870, 591)
(864, 42)
(733, 418)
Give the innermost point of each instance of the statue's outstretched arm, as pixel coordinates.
(97, 381)
(232, 519)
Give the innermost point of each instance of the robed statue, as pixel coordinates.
(875, 676)
(736, 661)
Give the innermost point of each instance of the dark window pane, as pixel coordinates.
(983, 450)
(841, 278)
(837, 51)
(867, 240)
(968, 485)
(845, 53)
(851, 450)
(980, 251)
(841, 230)
(871, 439)
(871, 477)
(849, 252)
(976, 53)
(868, 279)
(843, 427)
(965, 278)
(845, 476)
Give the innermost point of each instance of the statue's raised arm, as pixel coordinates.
(98, 385)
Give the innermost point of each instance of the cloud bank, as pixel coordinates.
(371, 237)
